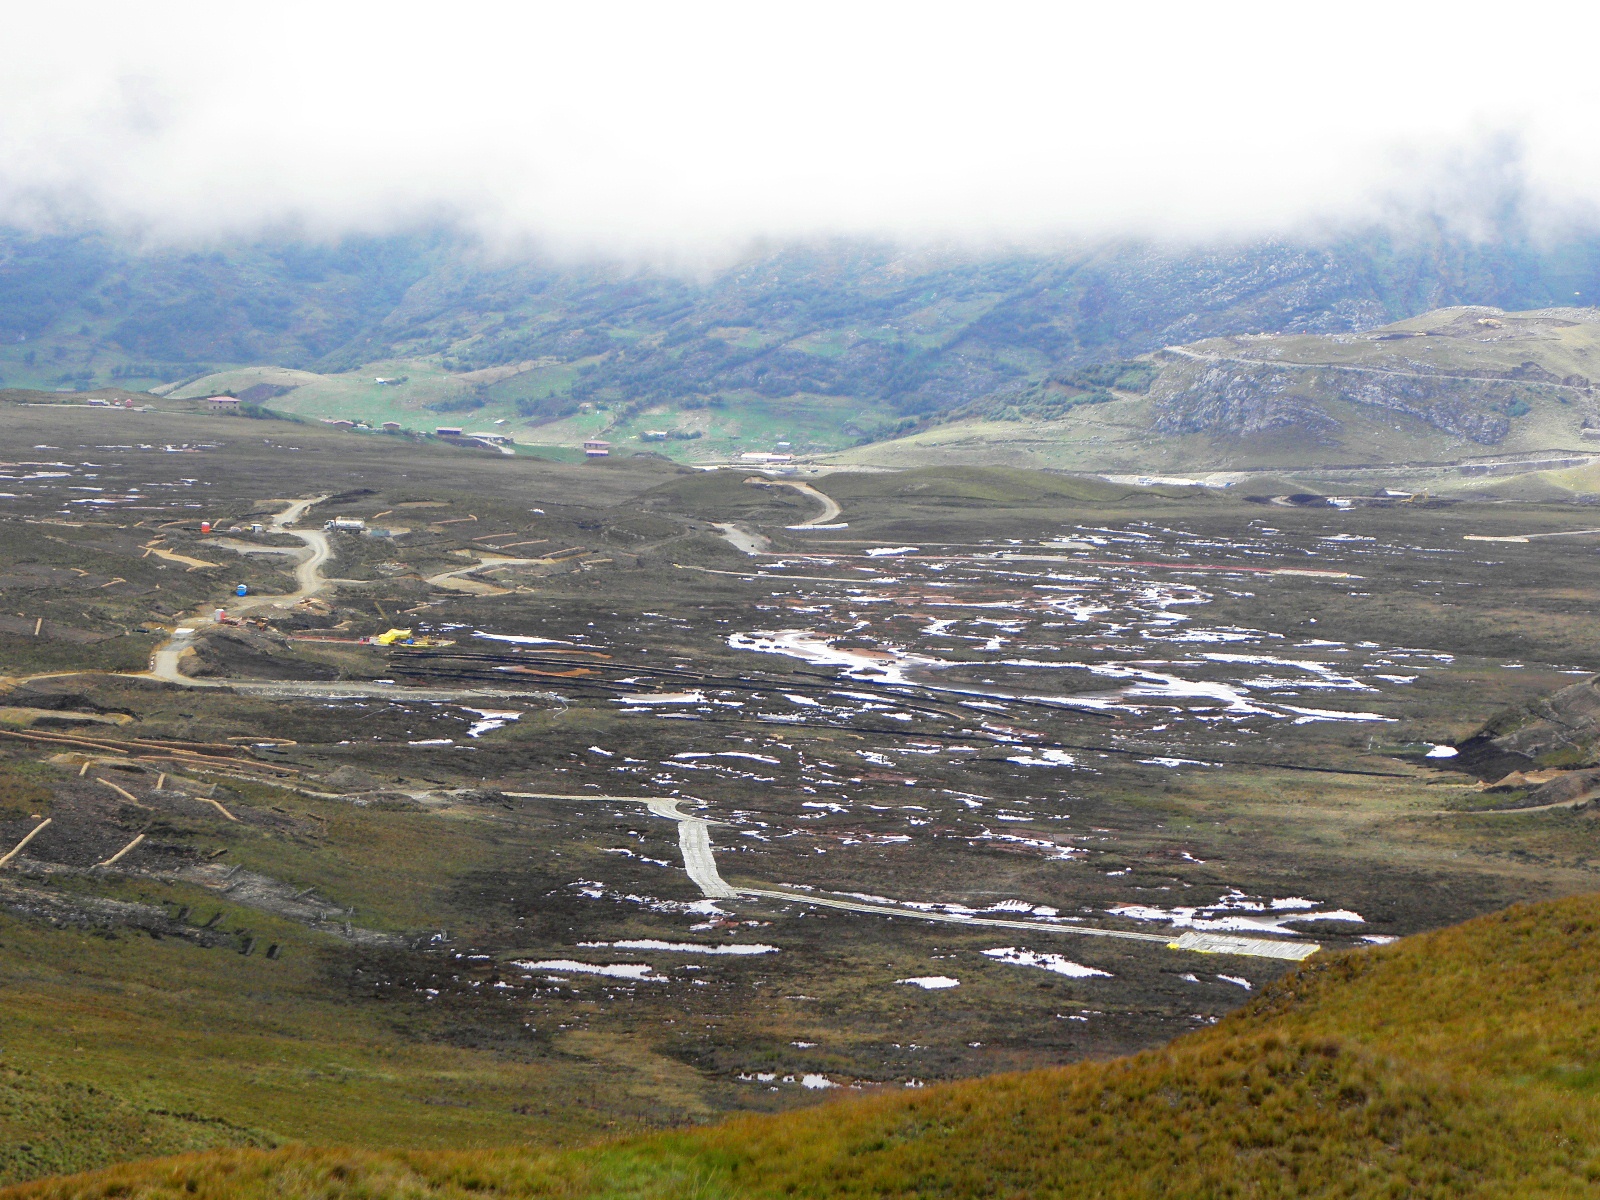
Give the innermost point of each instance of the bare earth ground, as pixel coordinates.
(437, 894)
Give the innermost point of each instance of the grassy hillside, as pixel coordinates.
(1459, 1062)
(1452, 384)
(533, 406)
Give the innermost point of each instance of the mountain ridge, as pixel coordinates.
(905, 330)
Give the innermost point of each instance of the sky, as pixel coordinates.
(687, 127)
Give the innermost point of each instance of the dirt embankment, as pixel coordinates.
(1559, 732)
(247, 653)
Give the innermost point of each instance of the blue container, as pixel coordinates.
(241, 590)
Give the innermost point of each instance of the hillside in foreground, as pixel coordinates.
(1460, 1062)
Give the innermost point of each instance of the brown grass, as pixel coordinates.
(1455, 1063)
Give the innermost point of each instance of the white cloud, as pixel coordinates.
(669, 127)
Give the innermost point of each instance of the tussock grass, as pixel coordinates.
(1454, 1063)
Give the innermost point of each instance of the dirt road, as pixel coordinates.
(750, 541)
(694, 840)
(694, 837)
(699, 860)
(741, 537)
(308, 582)
(830, 507)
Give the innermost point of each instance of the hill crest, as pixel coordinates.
(1451, 1063)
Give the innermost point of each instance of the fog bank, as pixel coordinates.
(688, 129)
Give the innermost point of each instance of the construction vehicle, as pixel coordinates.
(404, 637)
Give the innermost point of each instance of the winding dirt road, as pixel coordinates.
(830, 507)
(751, 541)
(309, 581)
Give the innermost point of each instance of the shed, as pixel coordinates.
(596, 448)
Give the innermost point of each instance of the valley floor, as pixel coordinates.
(675, 800)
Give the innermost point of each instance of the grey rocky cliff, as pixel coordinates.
(1236, 396)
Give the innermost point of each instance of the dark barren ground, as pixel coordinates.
(998, 694)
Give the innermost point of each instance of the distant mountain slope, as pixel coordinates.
(1450, 384)
(1454, 1063)
(877, 334)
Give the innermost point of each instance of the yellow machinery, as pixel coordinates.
(402, 637)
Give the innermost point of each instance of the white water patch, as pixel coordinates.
(1209, 635)
(657, 698)
(433, 742)
(1153, 685)
(1052, 850)
(1045, 758)
(491, 719)
(1307, 715)
(520, 641)
(891, 551)
(931, 983)
(1237, 981)
(884, 666)
(1327, 677)
(817, 1081)
(1056, 963)
(1441, 752)
(1239, 913)
(634, 854)
(762, 758)
(636, 971)
(1018, 907)
(682, 947)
